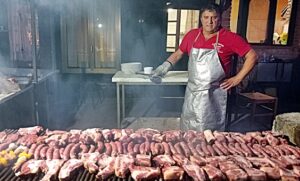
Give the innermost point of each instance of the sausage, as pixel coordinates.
(173, 150)
(56, 154)
(272, 151)
(160, 149)
(293, 150)
(49, 154)
(83, 148)
(204, 149)
(166, 148)
(124, 146)
(211, 150)
(247, 150)
(229, 139)
(108, 148)
(178, 149)
(92, 149)
(185, 149)
(66, 154)
(192, 149)
(75, 150)
(279, 150)
(258, 148)
(153, 150)
(199, 150)
(147, 147)
(43, 152)
(100, 147)
(114, 151)
(257, 153)
(217, 150)
(32, 148)
(130, 147)
(37, 151)
(222, 148)
(136, 148)
(119, 147)
(219, 136)
(61, 152)
(238, 139)
(142, 148)
(239, 149)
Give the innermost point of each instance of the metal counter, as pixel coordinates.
(122, 79)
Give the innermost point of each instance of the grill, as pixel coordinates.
(7, 174)
(83, 175)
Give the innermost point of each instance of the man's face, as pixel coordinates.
(210, 21)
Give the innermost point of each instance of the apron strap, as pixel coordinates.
(196, 37)
(217, 41)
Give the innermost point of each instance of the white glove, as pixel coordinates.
(161, 71)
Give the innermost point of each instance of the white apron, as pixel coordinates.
(205, 102)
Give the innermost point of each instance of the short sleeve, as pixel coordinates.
(186, 41)
(240, 46)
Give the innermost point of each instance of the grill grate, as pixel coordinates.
(7, 174)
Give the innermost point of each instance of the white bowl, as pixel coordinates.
(131, 67)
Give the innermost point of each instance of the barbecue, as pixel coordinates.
(145, 154)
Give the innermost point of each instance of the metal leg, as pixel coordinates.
(123, 102)
(118, 107)
(253, 114)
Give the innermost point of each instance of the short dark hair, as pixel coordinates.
(211, 7)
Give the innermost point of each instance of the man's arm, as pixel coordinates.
(249, 63)
(175, 57)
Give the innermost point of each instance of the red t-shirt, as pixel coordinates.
(229, 44)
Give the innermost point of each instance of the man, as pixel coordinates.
(210, 49)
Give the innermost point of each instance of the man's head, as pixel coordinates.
(210, 16)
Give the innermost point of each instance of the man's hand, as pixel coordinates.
(161, 71)
(229, 83)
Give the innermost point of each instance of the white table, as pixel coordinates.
(122, 79)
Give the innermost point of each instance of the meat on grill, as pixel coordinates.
(143, 160)
(51, 169)
(122, 164)
(30, 130)
(213, 173)
(68, 168)
(30, 167)
(146, 152)
(140, 173)
(194, 171)
(163, 161)
(172, 173)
